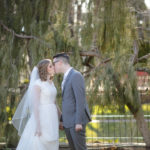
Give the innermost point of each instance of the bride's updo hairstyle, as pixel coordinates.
(42, 67)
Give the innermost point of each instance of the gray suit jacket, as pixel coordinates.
(74, 105)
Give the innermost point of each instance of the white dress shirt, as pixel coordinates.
(65, 77)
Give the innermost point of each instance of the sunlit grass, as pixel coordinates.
(146, 108)
(97, 110)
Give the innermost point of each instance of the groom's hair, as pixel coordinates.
(63, 56)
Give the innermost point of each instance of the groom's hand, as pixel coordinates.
(61, 126)
(78, 127)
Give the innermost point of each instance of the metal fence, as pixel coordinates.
(116, 129)
(112, 129)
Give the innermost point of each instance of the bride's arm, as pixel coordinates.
(36, 103)
(60, 117)
(59, 111)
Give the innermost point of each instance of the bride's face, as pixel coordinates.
(50, 69)
(57, 65)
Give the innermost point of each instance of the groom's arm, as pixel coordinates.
(79, 93)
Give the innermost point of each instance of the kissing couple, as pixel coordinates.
(38, 118)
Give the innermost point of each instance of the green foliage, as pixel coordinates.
(144, 48)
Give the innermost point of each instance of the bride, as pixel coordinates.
(36, 117)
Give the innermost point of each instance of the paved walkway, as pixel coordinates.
(98, 146)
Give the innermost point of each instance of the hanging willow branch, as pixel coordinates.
(135, 52)
(82, 53)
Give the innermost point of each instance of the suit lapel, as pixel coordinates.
(71, 71)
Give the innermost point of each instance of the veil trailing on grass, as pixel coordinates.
(24, 108)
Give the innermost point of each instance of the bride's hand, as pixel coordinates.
(38, 132)
(61, 126)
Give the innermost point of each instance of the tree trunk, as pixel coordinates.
(71, 19)
(143, 127)
(138, 114)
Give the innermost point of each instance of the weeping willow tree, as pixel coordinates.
(100, 36)
(118, 41)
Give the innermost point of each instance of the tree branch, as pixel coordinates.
(144, 57)
(101, 63)
(89, 53)
(23, 36)
(17, 35)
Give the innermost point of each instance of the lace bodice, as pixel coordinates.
(48, 92)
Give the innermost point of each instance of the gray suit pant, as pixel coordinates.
(76, 139)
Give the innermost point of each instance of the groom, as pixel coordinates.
(75, 112)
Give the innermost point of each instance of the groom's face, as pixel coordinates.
(57, 65)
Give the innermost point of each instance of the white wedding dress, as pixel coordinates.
(48, 119)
